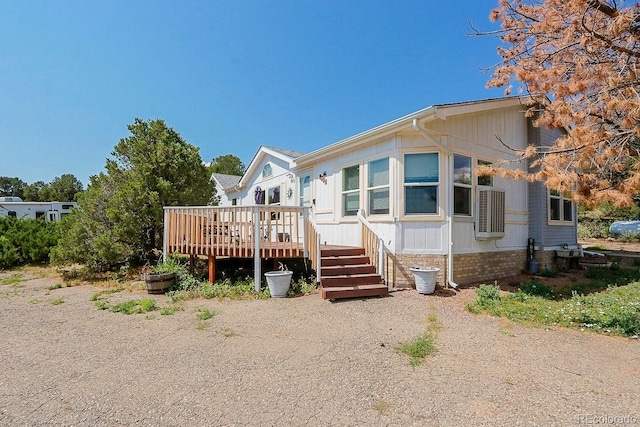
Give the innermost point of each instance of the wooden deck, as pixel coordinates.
(267, 250)
(274, 232)
(256, 232)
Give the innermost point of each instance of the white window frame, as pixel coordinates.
(468, 186)
(344, 192)
(268, 195)
(562, 199)
(301, 177)
(371, 189)
(437, 184)
(267, 171)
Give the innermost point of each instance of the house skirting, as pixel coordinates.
(546, 260)
(467, 269)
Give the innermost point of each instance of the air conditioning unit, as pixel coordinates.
(490, 218)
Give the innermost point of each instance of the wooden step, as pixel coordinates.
(356, 291)
(344, 260)
(340, 251)
(351, 280)
(342, 270)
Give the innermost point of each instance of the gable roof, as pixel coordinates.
(283, 154)
(225, 181)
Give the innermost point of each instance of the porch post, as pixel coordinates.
(212, 268)
(305, 220)
(164, 235)
(257, 274)
(380, 257)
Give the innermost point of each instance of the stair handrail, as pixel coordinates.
(381, 248)
(313, 244)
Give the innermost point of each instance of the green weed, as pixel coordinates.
(134, 306)
(102, 293)
(615, 310)
(102, 304)
(302, 287)
(169, 310)
(534, 287)
(205, 313)
(419, 348)
(14, 278)
(57, 301)
(219, 290)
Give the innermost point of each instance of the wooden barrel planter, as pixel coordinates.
(158, 283)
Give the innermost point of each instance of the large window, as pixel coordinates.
(350, 190)
(378, 187)
(462, 185)
(560, 207)
(421, 181)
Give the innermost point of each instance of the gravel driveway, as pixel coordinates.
(300, 361)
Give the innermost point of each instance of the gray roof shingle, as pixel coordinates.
(226, 181)
(290, 153)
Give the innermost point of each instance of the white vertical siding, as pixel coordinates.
(423, 237)
(281, 176)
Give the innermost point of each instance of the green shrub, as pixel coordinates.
(615, 310)
(627, 323)
(487, 294)
(548, 273)
(302, 287)
(630, 236)
(593, 228)
(534, 287)
(26, 241)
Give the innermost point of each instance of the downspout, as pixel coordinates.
(449, 207)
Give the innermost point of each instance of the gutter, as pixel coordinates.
(360, 138)
(449, 209)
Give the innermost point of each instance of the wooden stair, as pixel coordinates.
(346, 272)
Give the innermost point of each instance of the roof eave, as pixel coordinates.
(394, 125)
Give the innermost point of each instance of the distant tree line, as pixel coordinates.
(119, 221)
(63, 188)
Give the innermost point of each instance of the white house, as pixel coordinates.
(413, 181)
(50, 211)
(269, 179)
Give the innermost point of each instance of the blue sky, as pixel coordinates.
(229, 76)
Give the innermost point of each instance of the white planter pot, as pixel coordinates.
(425, 278)
(279, 282)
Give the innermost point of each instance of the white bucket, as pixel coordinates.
(279, 282)
(425, 278)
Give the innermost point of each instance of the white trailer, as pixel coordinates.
(50, 211)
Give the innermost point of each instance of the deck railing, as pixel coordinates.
(313, 247)
(375, 248)
(236, 231)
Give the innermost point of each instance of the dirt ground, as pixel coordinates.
(298, 361)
